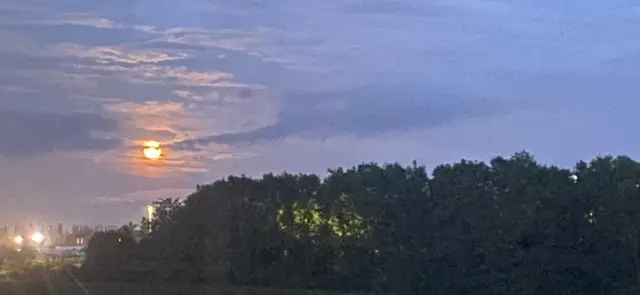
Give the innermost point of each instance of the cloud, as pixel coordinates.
(361, 112)
(170, 122)
(362, 80)
(29, 134)
(80, 19)
(146, 196)
(394, 7)
(114, 55)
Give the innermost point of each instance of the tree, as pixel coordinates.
(108, 252)
(508, 226)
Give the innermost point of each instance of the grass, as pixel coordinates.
(110, 288)
(55, 280)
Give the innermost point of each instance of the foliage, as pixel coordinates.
(510, 226)
(10, 255)
(108, 251)
(41, 286)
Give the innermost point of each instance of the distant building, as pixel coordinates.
(138, 234)
(62, 252)
(74, 240)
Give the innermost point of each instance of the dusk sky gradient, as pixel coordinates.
(255, 86)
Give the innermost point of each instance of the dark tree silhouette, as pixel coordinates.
(510, 226)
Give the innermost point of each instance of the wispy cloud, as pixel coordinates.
(29, 134)
(253, 86)
(113, 54)
(145, 196)
(361, 112)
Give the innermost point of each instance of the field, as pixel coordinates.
(57, 279)
(69, 288)
(50, 279)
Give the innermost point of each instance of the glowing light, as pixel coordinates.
(152, 144)
(18, 239)
(151, 212)
(573, 178)
(152, 150)
(37, 237)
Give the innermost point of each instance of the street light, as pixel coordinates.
(574, 178)
(151, 212)
(37, 237)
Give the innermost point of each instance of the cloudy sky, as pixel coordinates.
(252, 86)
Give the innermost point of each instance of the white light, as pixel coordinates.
(574, 178)
(37, 237)
(18, 239)
(151, 212)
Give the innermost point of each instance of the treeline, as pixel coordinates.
(510, 226)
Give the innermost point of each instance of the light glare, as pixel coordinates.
(151, 212)
(37, 237)
(574, 178)
(152, 144)
(152, 150)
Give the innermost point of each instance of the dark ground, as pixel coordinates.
(111, 288)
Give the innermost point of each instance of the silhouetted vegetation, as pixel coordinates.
(512, 226)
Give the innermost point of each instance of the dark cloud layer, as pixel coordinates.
(362, 112)
(28, 134)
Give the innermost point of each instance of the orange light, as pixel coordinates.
(152, 150)
(152, 144)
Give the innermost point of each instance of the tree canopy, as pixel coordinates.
(510, 226)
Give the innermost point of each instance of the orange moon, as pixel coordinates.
(152, 150)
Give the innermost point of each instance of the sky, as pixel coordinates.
(257, 86)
